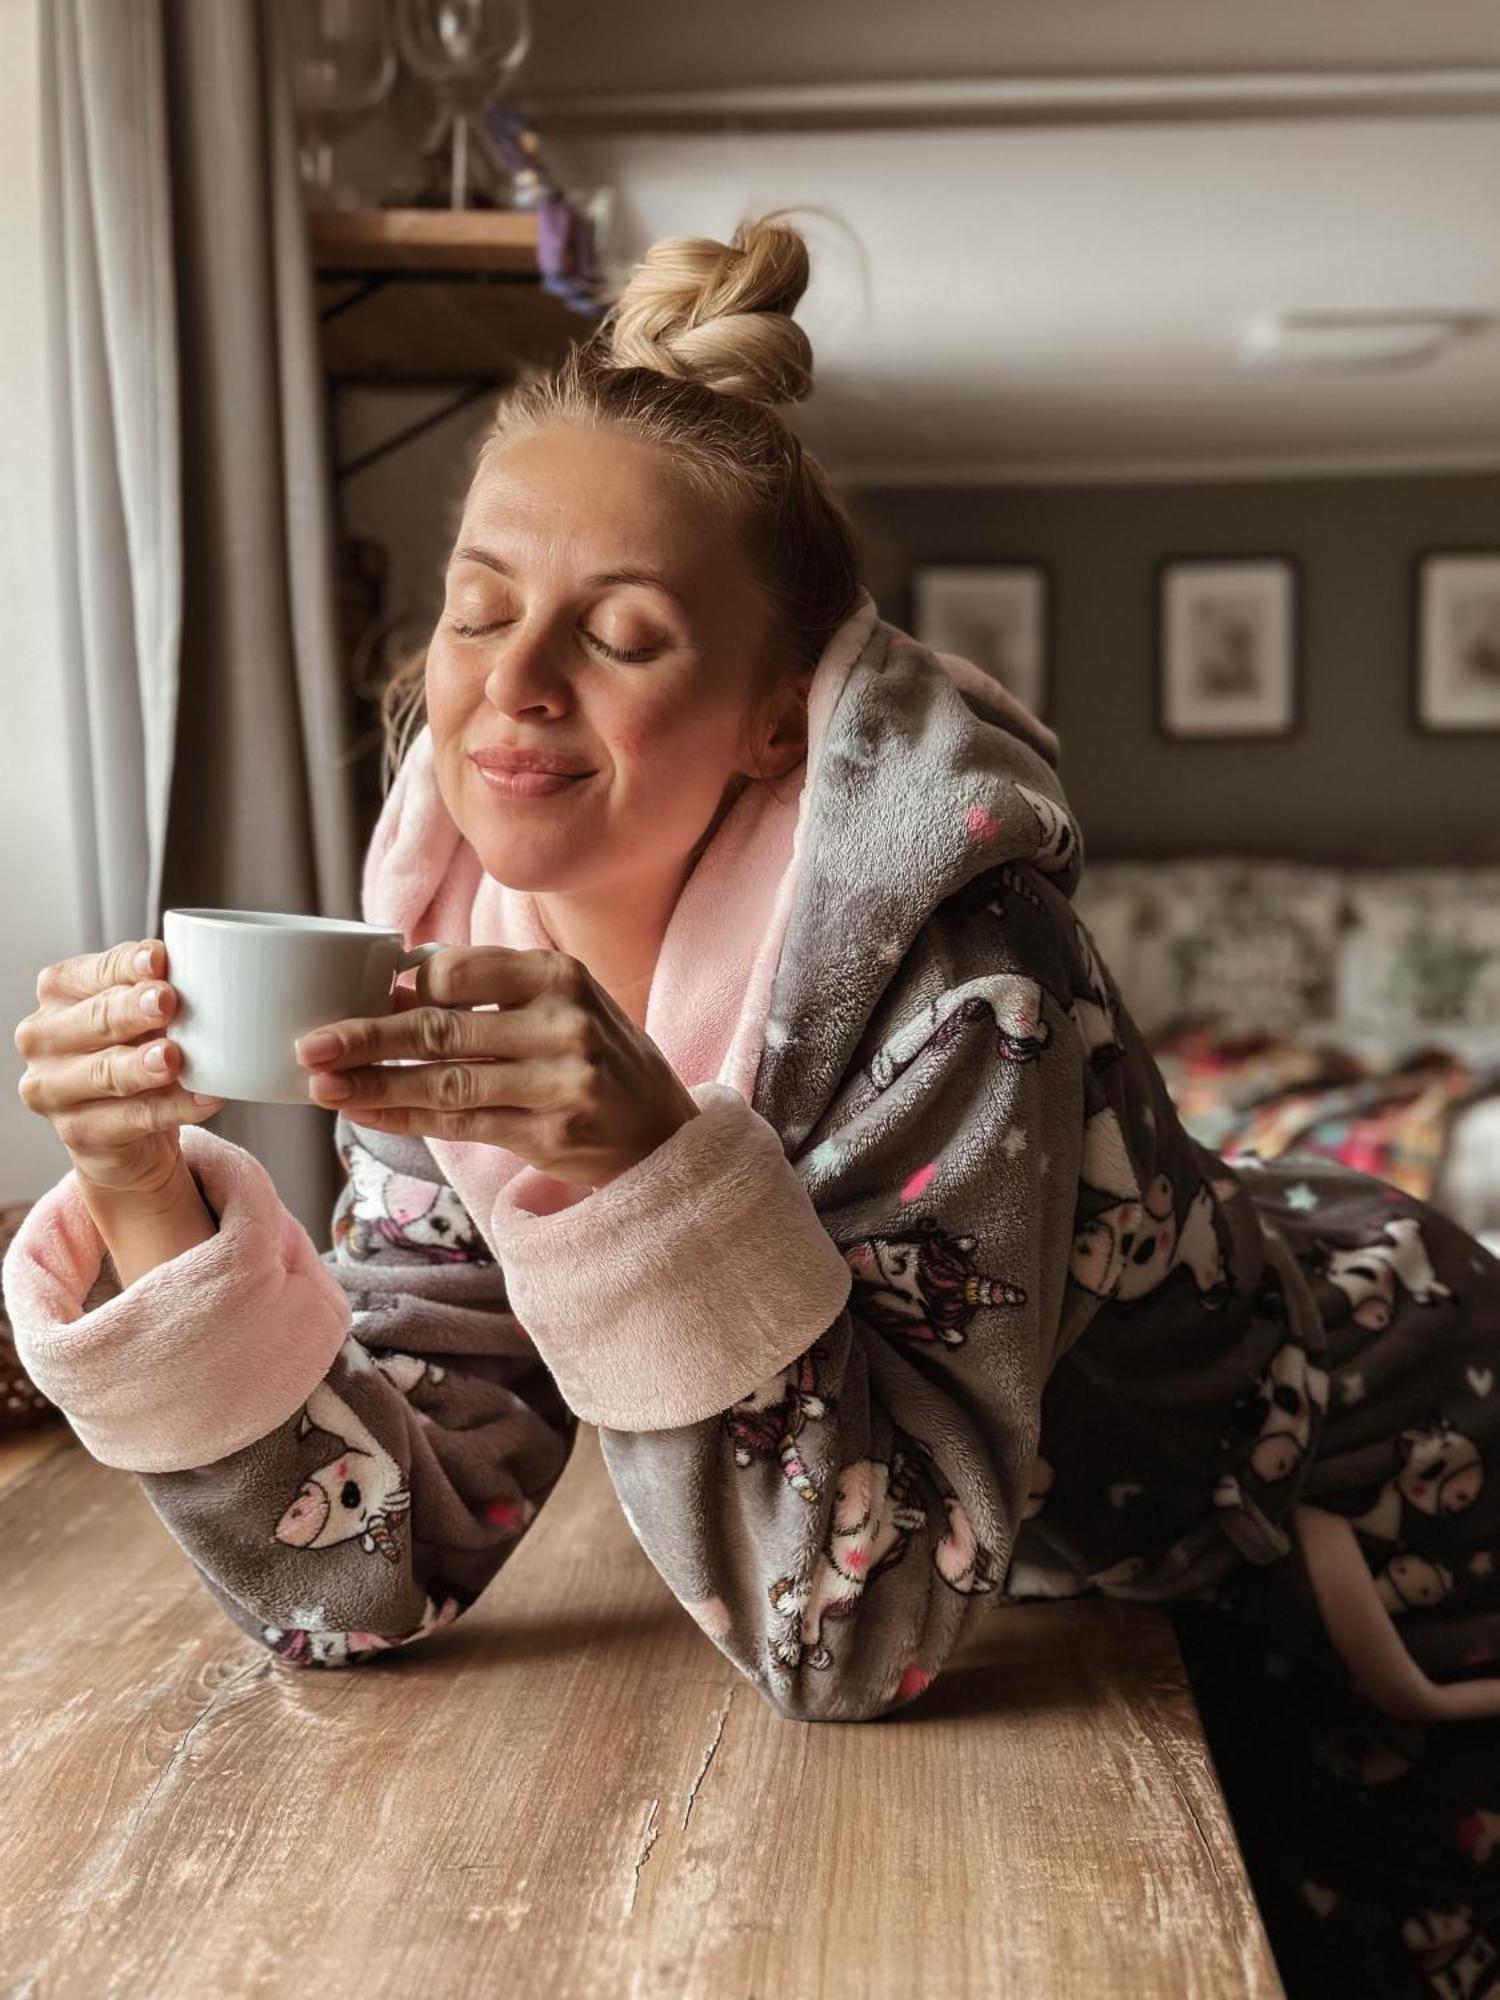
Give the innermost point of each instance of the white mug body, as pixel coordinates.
(251, 983)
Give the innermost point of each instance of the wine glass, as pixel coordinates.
(466, 51)
(342, 67)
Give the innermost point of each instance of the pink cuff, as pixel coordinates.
(203, 1354)
(665, 1296)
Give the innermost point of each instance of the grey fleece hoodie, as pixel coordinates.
(951, 1094)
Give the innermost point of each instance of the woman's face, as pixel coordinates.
(544, 644)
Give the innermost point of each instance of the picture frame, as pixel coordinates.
(1455, 642)
(1228, 647)
(996, 614)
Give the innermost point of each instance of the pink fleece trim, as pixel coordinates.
(200, 1356)
(681, 1285)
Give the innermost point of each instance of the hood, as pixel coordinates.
(921, 772)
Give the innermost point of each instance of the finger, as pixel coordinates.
(514, 1129)
(113, 1121)
(116, 1070)
(92, 971)
(463, 1090)
(111, 1017)
(488, 979)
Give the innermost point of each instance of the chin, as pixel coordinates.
(537, 874)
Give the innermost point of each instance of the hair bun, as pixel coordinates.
(719, 313)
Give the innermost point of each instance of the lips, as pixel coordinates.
(509, 762)
(530, 784)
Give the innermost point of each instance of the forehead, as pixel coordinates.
(598, 493)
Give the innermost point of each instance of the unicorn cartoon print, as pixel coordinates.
(386, 1210)
(359, 1494)
(876, 1511)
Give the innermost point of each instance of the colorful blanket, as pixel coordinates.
(1268, 1094)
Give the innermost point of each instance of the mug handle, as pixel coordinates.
(410, 958)
(416, 955)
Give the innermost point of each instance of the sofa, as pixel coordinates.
(1347, 1011)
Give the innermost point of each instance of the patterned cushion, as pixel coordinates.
(1108, 902)
(1421, 962)
(1242, 943)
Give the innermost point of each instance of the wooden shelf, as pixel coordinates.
(369, 240)
(436, 295)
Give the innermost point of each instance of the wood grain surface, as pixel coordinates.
(571, 1792)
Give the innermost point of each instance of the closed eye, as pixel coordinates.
(613, 652)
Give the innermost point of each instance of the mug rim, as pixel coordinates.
(286, 920)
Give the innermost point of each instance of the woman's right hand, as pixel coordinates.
(100, 1066)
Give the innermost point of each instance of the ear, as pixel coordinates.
(786, 745)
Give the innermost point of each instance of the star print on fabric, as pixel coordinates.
(1351, 1385)
(1014, 1142)
(1044, 1162)
(310, 1618)
(1301, 1196)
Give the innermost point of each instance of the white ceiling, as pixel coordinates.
(1053, 289)
(582, 47)
(1019, 303)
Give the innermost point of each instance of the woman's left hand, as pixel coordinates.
(557, 1074)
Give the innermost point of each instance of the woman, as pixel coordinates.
(772, 1110)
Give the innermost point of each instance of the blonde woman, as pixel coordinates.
(771, 1109)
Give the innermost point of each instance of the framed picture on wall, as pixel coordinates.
(1227, 646)
(992, 614)
(1456, 669)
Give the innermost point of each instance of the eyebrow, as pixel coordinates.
(649, 576)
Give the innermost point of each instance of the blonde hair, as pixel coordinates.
(694, 355)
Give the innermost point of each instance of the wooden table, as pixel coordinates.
(571, 1792)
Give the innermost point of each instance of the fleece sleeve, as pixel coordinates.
(818, 1378)
(347, 1446)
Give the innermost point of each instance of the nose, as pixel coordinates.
(528, 671)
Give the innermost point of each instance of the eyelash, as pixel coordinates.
(612, 652)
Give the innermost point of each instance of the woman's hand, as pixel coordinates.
(557, 1073)
(100, 1065)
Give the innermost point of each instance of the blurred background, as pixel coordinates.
(1157, 352)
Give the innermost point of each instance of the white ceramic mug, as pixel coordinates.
(251, 983)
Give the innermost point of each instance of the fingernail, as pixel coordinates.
(199, 1098)
(156, 1056)
(318, 1047)
(151, 1000)
(143, 959)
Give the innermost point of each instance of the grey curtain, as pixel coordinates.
(207, 708)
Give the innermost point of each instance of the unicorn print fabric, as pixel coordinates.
(936, 1308)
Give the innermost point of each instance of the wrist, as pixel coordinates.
(681, 1113)
(139, 1198)
(144, 1227)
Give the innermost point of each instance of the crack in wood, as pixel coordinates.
(708, 1758)
(1164, 1752)
(652, 1830)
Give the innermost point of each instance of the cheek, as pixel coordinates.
(681, 739)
